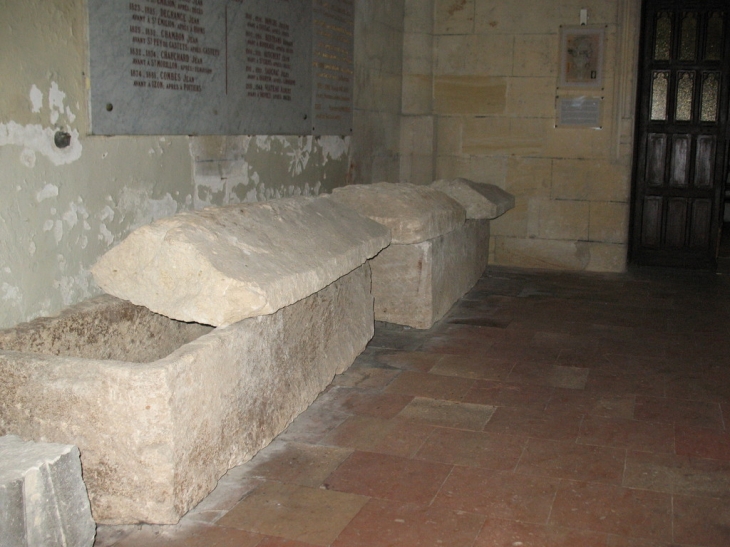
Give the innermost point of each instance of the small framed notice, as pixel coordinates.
(577, 112)
(581, 57)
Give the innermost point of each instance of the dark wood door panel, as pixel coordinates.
(651, 233)
(701, 223)
(681, 140)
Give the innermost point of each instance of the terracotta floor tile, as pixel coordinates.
(311, 515)
(622, 363)
(396, 437)
(625, 384)
(402, 438)
(447, 413)
(677, 411)
(549, 375)
(569, 377)
(471, 448)
(392, 336)
(498, 494)
(471, 367)
(608, 406)
(418, 361)
(461, 340)
(389, 477)
(297, 463)
(430, 385)
(698, 387)
(533, 423)
(383, 524)
(701, 521)
(485, 392)
(677, 474)
(231, 487)
(365, 377)
(269, 541)
(509, 533)
(703, 443)
(359, 432)
(473, 319)
(465, 331)
(565, 339)
(313, 424)
(582, 357)
(619, 541)
(624, 433)
(613, 510)
(567, 460)
(187, 536)
(365, 402)
(519, 352)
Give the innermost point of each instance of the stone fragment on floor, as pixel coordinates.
(43, 500)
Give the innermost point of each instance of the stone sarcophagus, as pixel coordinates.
(162, 407)
(439, 248)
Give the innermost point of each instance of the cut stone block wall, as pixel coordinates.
(479, 90)
(43, 500)
(155, 436)
(417, 284)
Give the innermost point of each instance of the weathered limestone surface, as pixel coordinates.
(43, 500)
(417, 284)
(155, 437)
(479, 199)
(220, 265)
(103, 328)
(413, 213)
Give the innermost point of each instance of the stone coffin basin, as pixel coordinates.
(161, 409)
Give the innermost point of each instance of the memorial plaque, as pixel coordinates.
(579, 112)
(195, 67)
(333, 66)
(269, 73)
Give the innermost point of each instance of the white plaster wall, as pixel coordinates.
(61, 209)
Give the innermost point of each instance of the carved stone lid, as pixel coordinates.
(413, 213)
(223, 264)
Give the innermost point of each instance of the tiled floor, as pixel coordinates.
(547, 410)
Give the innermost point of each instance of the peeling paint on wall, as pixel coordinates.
(246, 169)
(35, 138)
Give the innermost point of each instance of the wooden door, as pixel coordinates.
(681, 153)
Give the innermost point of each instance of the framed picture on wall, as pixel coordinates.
(581, 56)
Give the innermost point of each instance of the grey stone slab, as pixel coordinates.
(42, 495)
(220, 67)
(481, 200)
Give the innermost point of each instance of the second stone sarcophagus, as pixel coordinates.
(439, 248)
